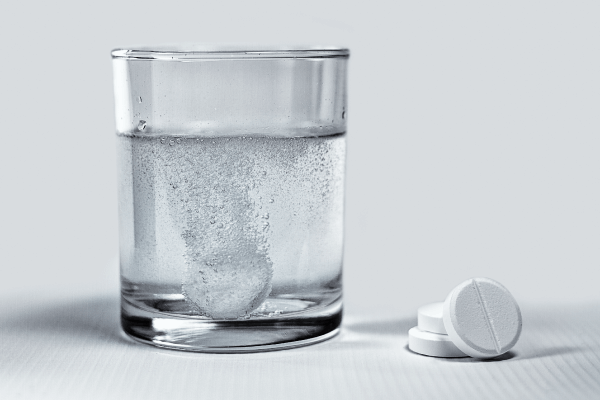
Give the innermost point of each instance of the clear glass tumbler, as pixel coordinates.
(231, 195)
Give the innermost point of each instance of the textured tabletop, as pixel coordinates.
(73, 349)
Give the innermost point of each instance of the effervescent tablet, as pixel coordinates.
(482, 318)
(431, 318)
(432, 344)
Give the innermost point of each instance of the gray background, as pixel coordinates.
(473, 147)
(473, 151)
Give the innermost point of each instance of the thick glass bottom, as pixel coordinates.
(231, 336)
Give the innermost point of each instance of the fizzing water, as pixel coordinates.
(231, 228)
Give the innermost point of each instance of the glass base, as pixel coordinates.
(231, 336)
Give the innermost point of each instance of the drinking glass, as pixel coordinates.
(231, 195)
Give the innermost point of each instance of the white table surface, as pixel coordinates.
(72, 348)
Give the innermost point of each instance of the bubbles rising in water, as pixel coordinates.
(212, 202)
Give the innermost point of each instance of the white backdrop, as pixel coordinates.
(473, 148)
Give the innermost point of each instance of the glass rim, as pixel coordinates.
(196, 52)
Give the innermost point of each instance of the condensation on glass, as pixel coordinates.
(231, 195)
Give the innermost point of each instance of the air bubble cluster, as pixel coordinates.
(247, 215)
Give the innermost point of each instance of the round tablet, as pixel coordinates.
(482, 318)
(432, 344)
(431, 318)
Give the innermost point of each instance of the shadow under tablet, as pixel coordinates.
(503, 357)
(506, 356)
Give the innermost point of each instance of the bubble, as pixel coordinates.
(163, 140)
(238, 240)
(178, 140)
(171, 142)
(141, 125)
